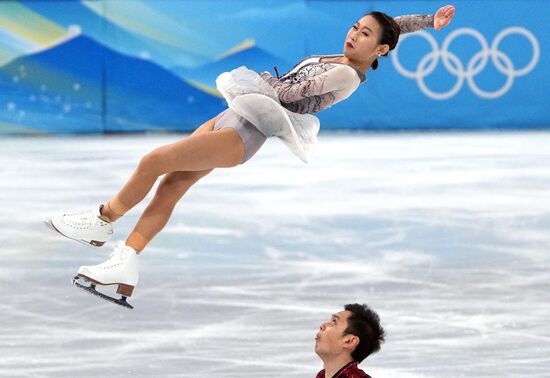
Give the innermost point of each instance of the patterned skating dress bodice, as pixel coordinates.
(324, 84)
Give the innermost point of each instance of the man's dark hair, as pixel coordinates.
(365, 324)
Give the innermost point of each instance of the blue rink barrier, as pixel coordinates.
(108, 66)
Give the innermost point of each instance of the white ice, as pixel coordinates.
(446, 235)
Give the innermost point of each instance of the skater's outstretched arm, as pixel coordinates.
(415, 22)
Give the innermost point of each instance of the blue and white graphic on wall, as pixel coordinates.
(70, 66)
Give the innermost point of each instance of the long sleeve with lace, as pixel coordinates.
(414, 22)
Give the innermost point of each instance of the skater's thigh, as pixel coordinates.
(205, 127)
(179, 181)
(201, 151)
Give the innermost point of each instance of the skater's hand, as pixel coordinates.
(443, 16)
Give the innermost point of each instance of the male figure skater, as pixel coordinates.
(346, 339)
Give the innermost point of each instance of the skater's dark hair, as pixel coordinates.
(365, 324)
(389, 34)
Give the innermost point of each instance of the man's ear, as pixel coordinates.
(351, 342)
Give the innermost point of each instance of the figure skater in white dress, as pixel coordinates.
(259, 106)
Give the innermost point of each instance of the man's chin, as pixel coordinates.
(317, 348)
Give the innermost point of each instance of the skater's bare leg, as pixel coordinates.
(172, 187)
(205, 149)
(170, 190)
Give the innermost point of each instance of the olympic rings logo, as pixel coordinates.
(477, 63)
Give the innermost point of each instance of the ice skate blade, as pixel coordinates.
(94, 244)
(91, 289)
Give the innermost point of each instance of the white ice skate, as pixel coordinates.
(85, 227)
(120, 269)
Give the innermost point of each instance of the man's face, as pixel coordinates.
(330, 340)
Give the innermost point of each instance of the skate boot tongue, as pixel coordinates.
(122, 250)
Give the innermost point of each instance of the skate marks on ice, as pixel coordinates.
(445, 235)
(91, 288)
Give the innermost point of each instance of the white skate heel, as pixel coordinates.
(85, 227)
(120, 269)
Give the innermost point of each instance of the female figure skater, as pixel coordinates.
(260, 106)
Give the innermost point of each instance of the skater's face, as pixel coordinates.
(362, 41)
(331, 341)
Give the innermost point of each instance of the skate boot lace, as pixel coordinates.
(85, 220)
(118, 257)
(119, 252)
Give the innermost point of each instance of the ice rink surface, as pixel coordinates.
(446, 235)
